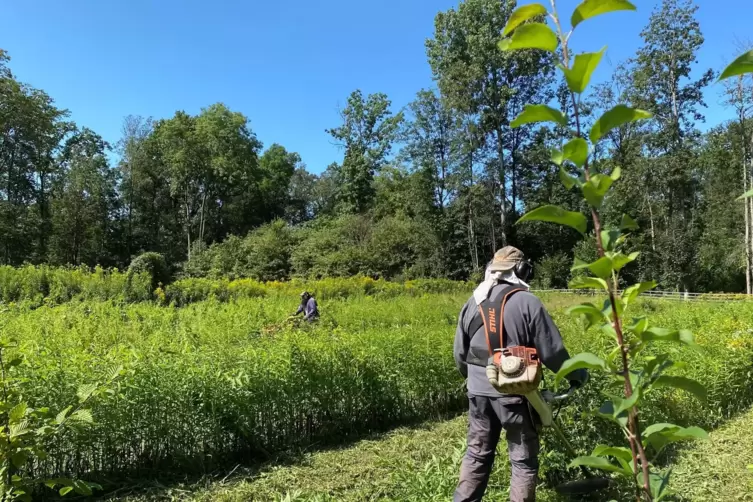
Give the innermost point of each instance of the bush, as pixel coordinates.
(153, 264)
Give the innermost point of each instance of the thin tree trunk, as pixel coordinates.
(748, 246)
(188, 225)
(653, 230)
(502, 187)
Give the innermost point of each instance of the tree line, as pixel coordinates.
(427, 191)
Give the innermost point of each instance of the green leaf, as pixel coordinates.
(659, 485)
(580, 361)
(589, 312)
(65, 490)
(82, 417)
(616, 117)
(583, 67)
(62, 415)
(531, 36)
(557, 156)
(592, 8)
(596, 188)
(588, 283)
(576, 150)
(523, 14)
(631, 293)
(668, 335)
(601, 267)
(19, 459)
(619, 260)
(17, 412)
(616, 173)
(613, 451)
(747, 194)
(600, 463)
(607, 411)
(85, 391)
(556, 214)
(567, 180)
(628, 223)
(740, 66)
(82, 488)
(659, 435)
(639, 326)
(610, 239)
(621, 404)
(532, 114)
(686, 384)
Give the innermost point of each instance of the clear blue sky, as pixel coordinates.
(287, 64)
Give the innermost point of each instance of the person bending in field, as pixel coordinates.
(308, 307)
(525, 322)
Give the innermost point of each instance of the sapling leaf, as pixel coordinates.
(632, 292)
(686, 384)
(659, 435)
(557, 157)
(596, 188)
(619, 260)
(600, 463)
(576, 151)
(592, 8)
(567, 180)
(589, 283)
(589, 312)
(659, 485)
(521, 15)
(531, 36)
(532, 114)
(628, 223)
(579, 75)
(607, 411)
(655, 334)
(616, 117)
(556, 214)
(616, 173)
(740, 66)
(580, 361)
(610, 239)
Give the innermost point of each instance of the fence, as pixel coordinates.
(664, 295)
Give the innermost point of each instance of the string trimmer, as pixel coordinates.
(541, 403)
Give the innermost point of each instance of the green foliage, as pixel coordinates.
(539, 113)
(154, 265)
(223, 376)
(26, 432)
(592, 8)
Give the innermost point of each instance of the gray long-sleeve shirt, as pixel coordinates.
(526, 323)
(309, 309)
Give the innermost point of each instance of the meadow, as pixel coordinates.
(220, 379)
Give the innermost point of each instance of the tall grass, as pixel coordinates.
(214, 382)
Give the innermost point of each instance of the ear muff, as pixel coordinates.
(524, 270)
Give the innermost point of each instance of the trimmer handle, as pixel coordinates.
(551, 397)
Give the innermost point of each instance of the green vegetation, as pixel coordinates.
(211, 384)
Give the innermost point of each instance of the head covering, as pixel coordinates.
(506, 258)
(305, 293)
(492, 278)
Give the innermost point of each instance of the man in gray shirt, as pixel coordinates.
(527, 323)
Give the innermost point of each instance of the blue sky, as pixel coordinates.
(288, 65)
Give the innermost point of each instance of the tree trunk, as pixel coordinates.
(188, 225)
(502, 188)
(748, 246)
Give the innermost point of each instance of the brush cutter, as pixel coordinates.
(541, 402)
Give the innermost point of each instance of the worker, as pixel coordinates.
(525, 323)
(308, 307)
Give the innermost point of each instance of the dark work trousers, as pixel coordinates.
(488, 416)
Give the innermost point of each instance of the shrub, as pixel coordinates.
(153, 264)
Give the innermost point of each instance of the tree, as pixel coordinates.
(85, 203)
(31, 128)
(488, 86)
(277, 167)
(367, 133)
(661, 84)
(738, 94)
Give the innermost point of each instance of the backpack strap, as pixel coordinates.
(493, 316)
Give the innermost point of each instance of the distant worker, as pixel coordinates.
(505, 295)
(308, 307)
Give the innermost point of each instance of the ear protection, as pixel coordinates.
(524, 270)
